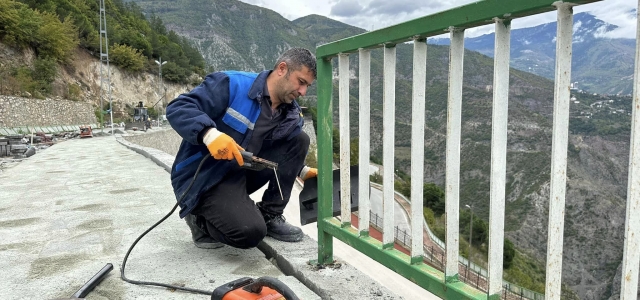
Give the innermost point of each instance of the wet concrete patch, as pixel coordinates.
(47, 266)
(26, 246)
(124, 191)
(110, 288)
(257, 268)
(110, 243)
(96, 224)
(90, 207)
(18, 222)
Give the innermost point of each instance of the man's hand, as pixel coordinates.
(222, 146)
(308, 172)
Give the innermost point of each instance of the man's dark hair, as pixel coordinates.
(295, 58)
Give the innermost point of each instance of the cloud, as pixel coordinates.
(397, 7)
(346, 8)
(376, 14)
(622, 14)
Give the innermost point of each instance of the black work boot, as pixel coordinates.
(279, 229)
(199, 235)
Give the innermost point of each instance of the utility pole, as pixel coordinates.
(104, 59)
(470, 236)
(160, 94)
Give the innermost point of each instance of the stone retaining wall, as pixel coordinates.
(19, 112)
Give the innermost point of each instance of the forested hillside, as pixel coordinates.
(53, 29)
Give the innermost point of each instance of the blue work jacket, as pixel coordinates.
(229, 101)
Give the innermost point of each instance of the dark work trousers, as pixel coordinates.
(231, 216)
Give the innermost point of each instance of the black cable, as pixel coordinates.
(124, 262)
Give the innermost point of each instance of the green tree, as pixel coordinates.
(354, 151)
(18, 24)
(44, 70)
(508, 254)
(30, 24)
(434, 198)
(55, 39)
(24, 79)
(171, 71)
(127, 58)
(376, 177)
(23, 27)
(403, 187)
(44, 73)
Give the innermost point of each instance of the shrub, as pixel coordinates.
(434, 198)
(172, 72)
(44, 70)
(311, 160)
(24, 79)
(128, 58)
(508, 254)
(376, 177)
(73, 91)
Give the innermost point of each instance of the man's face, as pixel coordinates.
(293, 84)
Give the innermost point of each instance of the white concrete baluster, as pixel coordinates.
(345, 140)
(388, 139)
(559, 144)
(498, 155)
(452, 177)
(631, 253)
(417, 146)
(364, 202)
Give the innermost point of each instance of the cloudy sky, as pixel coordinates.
(376, 14)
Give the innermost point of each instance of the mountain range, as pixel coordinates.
(599, 64)
(234, 35)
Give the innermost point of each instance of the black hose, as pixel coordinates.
(170, 286)
(267, 281)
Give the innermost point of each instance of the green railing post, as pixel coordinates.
(325, 158)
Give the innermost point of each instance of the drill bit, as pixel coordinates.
(278, 181)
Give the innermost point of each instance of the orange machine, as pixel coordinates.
(85, 131)
(264, 288)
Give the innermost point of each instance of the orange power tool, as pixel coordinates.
(246, 288)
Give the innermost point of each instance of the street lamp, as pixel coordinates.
(470, 235)
(160, 63)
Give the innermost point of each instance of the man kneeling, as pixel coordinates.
(227, 113)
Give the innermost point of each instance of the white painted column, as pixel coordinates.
(454, 123)
(388, 139)
(364, 202)
(498, 154)
(631, 254)
(417, 146)
(345, 140)
(559, 144)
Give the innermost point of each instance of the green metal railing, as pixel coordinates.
(499, 12)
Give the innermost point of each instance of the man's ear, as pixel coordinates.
(282, 68)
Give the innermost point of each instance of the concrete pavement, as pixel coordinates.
(70, 209)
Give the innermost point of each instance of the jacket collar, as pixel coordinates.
(258, 85)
